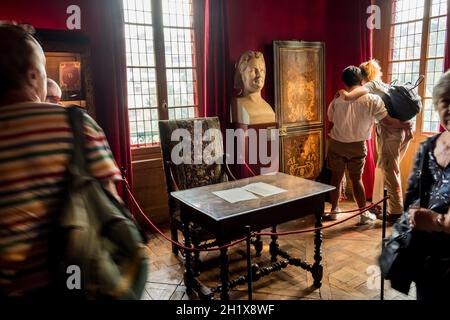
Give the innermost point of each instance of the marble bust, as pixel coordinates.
(250, 108)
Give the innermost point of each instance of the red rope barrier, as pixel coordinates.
(320, 228)
(170, 240)
(249, 169)
(361, 210)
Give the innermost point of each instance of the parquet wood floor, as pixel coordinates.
(349, 259)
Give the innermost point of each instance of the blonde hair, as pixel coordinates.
(242, 64)
(371, 70)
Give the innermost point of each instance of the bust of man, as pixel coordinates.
(250, 108)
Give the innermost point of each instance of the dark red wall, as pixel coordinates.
(45, 14)
(254, 24)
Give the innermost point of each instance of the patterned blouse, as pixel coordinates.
(437, 195)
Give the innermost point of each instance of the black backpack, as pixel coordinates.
(402, 101)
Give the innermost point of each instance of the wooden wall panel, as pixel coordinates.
(149, 183)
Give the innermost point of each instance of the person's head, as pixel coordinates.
(22, 65)
(250, 72)
(371, 70)
(441, 99)
(54, 92)
(351, 76)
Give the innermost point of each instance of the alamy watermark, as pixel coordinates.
(73, 281)
(374, 20)
(73, 21)
(201, 147)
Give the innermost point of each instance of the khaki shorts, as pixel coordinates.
(347, 155)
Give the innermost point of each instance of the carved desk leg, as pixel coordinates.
(188, 273)
(196, 260)
(274, 246)
(317, 268)
(258, 245)
(224, 273)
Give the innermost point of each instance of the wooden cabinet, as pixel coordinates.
(300, 106)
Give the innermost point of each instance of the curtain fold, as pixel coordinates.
(365, 53)
(218, 68)
(216, 71)
(110, 82)
(200, 13)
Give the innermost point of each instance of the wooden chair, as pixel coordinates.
(188, 175)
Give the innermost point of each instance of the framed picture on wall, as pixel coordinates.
(70, 80)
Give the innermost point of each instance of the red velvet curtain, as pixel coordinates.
(216, 72)
(365, 47)
(261, 26)
(110, 81)
(214, 67)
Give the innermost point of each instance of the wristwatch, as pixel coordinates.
(440, 222)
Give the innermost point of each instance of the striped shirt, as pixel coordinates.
(36, 143)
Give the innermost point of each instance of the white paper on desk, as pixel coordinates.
(263, 189)
(235, 195)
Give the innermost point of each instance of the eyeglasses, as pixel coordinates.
(53, 99)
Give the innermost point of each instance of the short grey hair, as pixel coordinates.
(441, 88)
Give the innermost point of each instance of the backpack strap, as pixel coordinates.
(76, 120)
(418, 82)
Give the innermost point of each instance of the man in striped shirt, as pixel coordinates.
(36, 144)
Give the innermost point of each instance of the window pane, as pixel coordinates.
(405, 49)
(406, 41)
(177, 13)
(180, 58)
(434, 63)
(407, 10)
(438, 8)
(430, 119)
(177, 18)
(141, 73)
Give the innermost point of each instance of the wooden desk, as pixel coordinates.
(227, 221)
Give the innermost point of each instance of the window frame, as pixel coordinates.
(161, 69)
(382, 49)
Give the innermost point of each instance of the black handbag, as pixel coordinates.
(404, 246)
(396, 256)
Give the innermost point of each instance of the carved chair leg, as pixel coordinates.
(174, 236)
(188, 274)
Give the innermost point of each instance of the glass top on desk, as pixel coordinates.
(203, 200)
